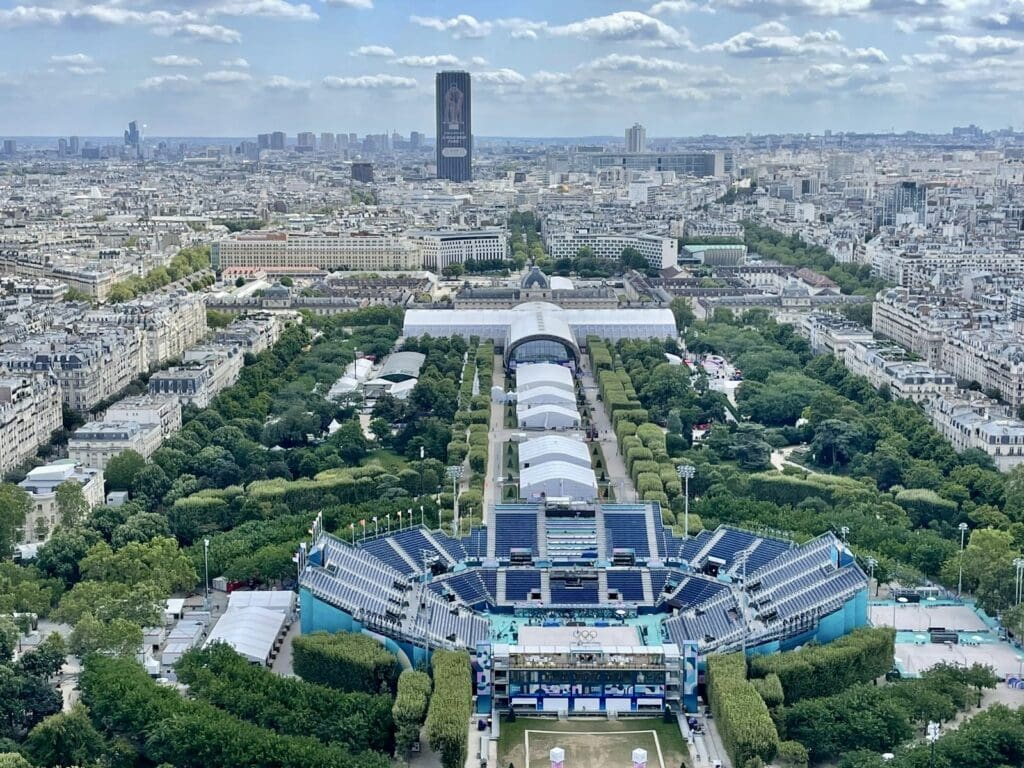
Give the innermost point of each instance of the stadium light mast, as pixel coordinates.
(871, 572)
(1018, 563)
(932, 735)
(206, 570)
(686, 473)
(960, 580)
(742, 556)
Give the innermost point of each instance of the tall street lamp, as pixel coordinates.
(960, 581)
(871, 569)
(1018, 563)
(455, 474)
(844, 532)
(686, 473)
(932, 735)
(206, 571)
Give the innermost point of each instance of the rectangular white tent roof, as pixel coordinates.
(553, 448)
(558, 478)
(276, 599)
(250, 631)
(543, 375)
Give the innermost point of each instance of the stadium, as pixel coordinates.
(579, 607)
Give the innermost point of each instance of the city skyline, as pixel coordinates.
(679, 67)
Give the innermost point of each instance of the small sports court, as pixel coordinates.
(589, 743)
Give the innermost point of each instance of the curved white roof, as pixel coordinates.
(543, 375)
(559, 283)
(547, 415)
(544, 394)
(558, 478)
(553, 448)
(539, 323)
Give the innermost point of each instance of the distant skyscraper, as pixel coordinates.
(277, 140)
(326, 142)
(263, 141)
(306, 140)
(10, 147)
(73, 146)
(454, 126)
(62, 147)
(636, 138)
(362, 172)
(415, 140)
(132, 138)
(353, 139)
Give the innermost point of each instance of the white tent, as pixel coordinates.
(250, 631)
(276, 599)
(558, 479)
(546, 396)
(553, 448)
(547, 417)
(543, 375)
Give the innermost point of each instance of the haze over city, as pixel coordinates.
(574, 68)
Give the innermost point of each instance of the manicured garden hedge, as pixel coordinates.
(166, 727)
(356, 721)
(346, 661)
(450, 707)
(410, 708)
(743, 720)
(821, 670)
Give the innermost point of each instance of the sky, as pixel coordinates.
(551, 68)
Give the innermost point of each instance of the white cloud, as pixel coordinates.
(461, 26)
(986, 45)
(672, 6)
(774, 40)
(375, 82)
(83, 71)
(163, 81)
(174, 60)
(551, 78)
(365, 5)
(617, 62)
(502, 76)
(282, 83)
(622, 26)
(238, 63)
(429, 62)
(29, 15)
(523, 34)
(72, 58)
(875, 55)
(212, 33)
(776, 8)
(275, 9)
(373, 50)
(226, 76)
(926, 59)
(478, 61)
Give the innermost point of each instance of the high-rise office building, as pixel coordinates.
(62, 147)
(326, 142)
(636, 138)
(341, 139)
(305, 140)
(277, 140)
(73, 145)
(415, 140)
(10, 147)
(133, 139)
(263, 141)
(454, 126)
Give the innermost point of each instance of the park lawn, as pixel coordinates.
(591, 742)
(389, 460)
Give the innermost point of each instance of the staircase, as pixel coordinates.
(542, 538)
(708, 546)
(417, 568)
(602, 537)
(652, 532)
(602, 585)
(437, 545)
(645, 579)
(545, 587)
(499, 586)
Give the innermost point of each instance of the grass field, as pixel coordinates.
(527, 742)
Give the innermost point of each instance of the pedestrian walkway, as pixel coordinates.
(618, 478)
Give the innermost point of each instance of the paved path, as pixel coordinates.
(780, 459)
(495, 446)
(619, 479)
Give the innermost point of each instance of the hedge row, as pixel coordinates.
(220, 676)
(820, 670)
(346, 661)
(410, 708)
(744, 723)
(166, 727)
(787, 490)
(600, 355)
(450, 707)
